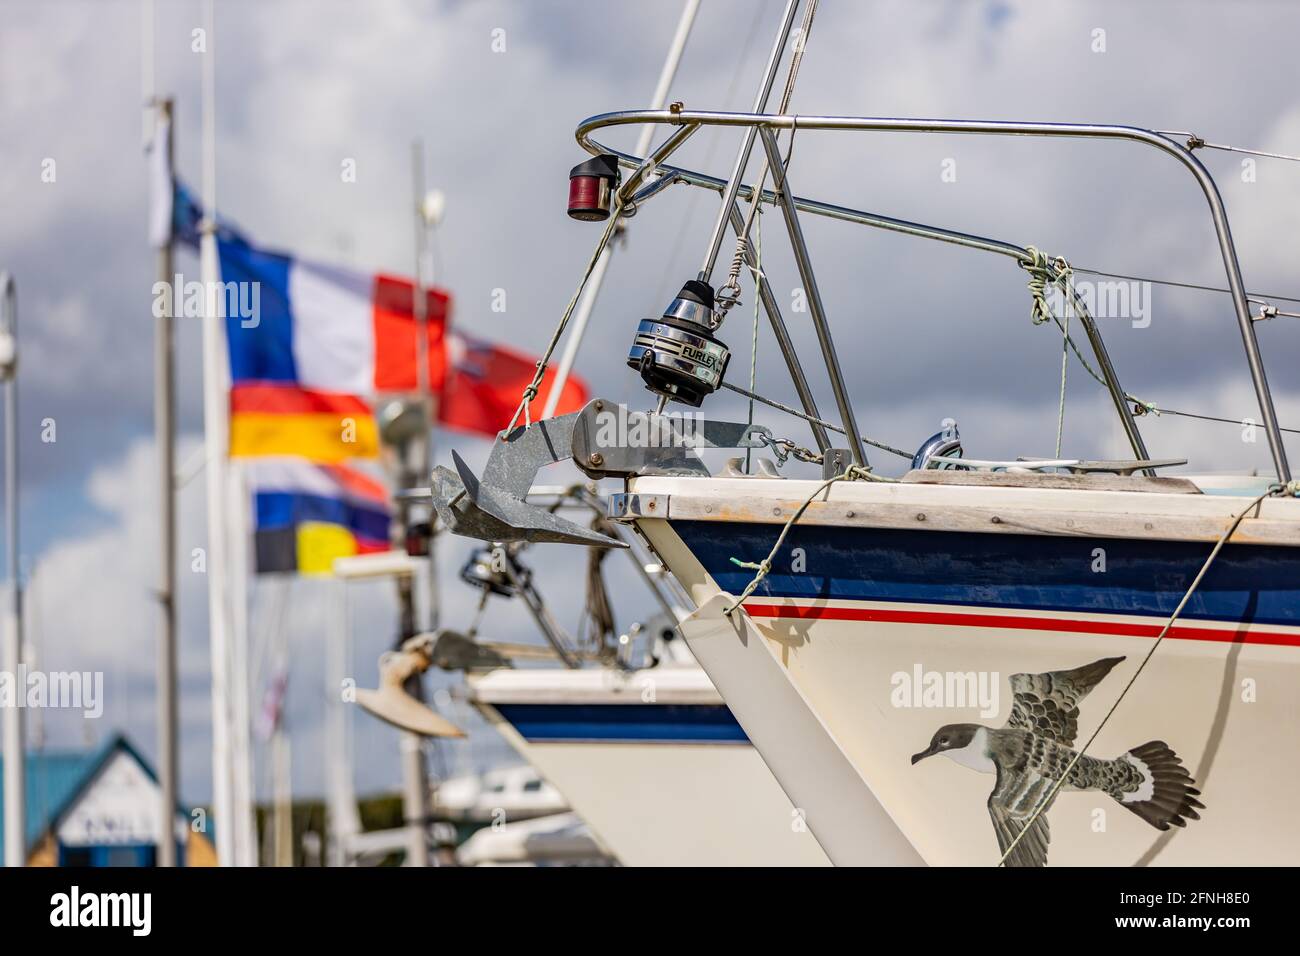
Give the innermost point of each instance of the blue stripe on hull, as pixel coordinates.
(632, 723)
(1248, 583)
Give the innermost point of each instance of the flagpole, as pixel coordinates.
(283, 814)
(15, 746)
(414, 773)
(588, 303)
(165, 442)
(238, 544)
(214, 438)
(280, 744)
(342, 818)
(159, 130)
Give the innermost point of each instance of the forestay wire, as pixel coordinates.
(530, 391)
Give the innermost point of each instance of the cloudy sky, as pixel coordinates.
(495, 90)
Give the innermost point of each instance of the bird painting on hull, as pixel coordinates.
(1036, 746)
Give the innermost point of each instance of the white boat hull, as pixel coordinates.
(662, 800)
(1224, 694)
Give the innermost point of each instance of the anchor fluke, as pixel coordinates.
(494, 509)
(605, 440)
(391, 703)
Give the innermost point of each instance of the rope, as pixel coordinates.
(853, 472)
(1141, 406)
(1292, 487)
(1065, 365)
(1057, 273)
(1041, 313)
(530, 390)
(1037, 287)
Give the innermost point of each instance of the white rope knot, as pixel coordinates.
(1039, 276)
(1057, 272)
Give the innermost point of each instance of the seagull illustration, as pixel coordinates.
(1031, 752)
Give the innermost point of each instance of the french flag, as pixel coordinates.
(325, 341)
(322, 343)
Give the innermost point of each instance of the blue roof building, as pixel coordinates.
(100, 808)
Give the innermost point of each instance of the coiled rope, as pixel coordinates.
(1057, 273)
(1041, 274)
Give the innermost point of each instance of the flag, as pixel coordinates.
(310, 347)
(283, 419)
(485, 382)
(187, 219)
(306, 514)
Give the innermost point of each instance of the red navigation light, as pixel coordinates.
(591, 188)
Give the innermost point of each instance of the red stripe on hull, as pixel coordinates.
(960, 619)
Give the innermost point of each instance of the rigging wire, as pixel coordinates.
(1259, 297)
(1153, 409)
(813, 419)
(715, 140)
(1040, 275)
(1195, 142)
(729, 292)
(530, 390)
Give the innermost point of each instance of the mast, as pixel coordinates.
(214, 438)
(165, 442)
(14, 743)
(414, 771)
